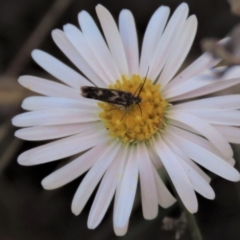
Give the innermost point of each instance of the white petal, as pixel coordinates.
(177, 174)
(98, 46)
(75, 168)
(121, 231)
(49, 88)
(231, 161)
(154, 157)
(54, 117)
(195, 138)
(214, 87)
(128, 34)
(127, 191)
(201, 64)
(165, 198)
(185, 158)
(148, 184)
(104, 194)
(77, 39)
(183, 126)
(179, 51)
(64, 147)
(52, 132)
(206, 158)
(203, 84)
(218, 102)
(59, 70)
(113, 38)
(216, 116)
(208, 79)
(40, 103)
(93, 177)
(232, 134)
(124, 159)
(165, 44)
(198, 183)
(205, 129)
(151, 37)
(70, 51)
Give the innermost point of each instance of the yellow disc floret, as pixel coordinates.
(136, 122)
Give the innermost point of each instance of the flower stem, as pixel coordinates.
(192, 223)
(193, 226)
(37, 36)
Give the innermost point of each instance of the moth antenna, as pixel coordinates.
(142, 85)
(140, 108)
(93, 83)
(137, 89)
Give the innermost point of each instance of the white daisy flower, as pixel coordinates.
(116, 145)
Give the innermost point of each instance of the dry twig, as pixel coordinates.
(36, 38)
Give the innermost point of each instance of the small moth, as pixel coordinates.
(113, 96)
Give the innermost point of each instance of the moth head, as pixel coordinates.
(137, 100)
(85, 91)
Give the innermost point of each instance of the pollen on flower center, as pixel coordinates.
(137, 122)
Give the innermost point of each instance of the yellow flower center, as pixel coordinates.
(136, 122)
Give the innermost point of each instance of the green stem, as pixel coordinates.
(191, 221)
(193, 226)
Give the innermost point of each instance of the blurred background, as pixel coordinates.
(27, 212)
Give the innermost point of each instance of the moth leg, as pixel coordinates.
(125, 112)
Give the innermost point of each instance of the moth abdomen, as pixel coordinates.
(91, 92)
